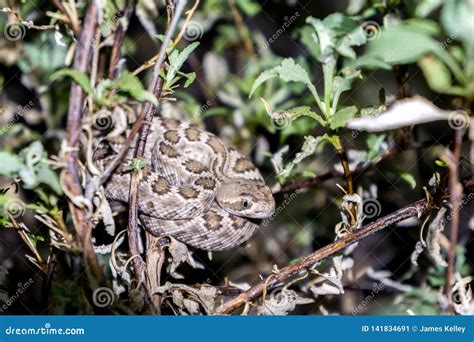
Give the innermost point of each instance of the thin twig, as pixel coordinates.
(149, 63)
(415, 209)
(72, 23)
(116, 55)
(71, 175)
(155, 86)
(241, 31)
(188, 18)
(455, 193)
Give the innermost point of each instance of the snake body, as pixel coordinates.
(193, 187)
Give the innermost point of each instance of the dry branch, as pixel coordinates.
(148, 113)
(71, 175)
(415, 209)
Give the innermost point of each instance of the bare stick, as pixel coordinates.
(414, 209)
(71, 175)
(119, 36)
(455, 193)
(155, 86)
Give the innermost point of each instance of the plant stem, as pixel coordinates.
(71, 175)
(321, 254)
(455, 193)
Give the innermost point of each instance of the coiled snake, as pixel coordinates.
(193, 187)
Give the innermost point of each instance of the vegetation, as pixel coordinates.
(359, 117)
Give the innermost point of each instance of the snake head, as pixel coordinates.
(246, 199)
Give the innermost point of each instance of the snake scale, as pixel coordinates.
(193, 187)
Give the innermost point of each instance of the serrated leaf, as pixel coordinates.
(262, 78)
(77, 76)
(288, 71)
(342, 116)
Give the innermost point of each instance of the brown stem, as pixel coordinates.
(241, 30)
(414, 209)
(455, 193)
(72, 23)
(116, 54)
(148, 113)
(71, 175)
(48, 280)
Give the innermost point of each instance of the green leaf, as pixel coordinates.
(369, 62)
(374, 142)
(441, 163)
(34, 238)
(9, 164)
(436, 73)
(342, 116)
(249, 7)
(324, 37)
(309, 39)
(190, 77)
(77, 76)
(262, 78)
(423, 25)
(400, 45)
(177, 59)
(44, 174)
(288, 71)
(407, 177)
(457, 20)
(129, 83)
(136, 164)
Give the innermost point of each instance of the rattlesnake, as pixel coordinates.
(193, 187)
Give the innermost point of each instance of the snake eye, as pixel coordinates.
(245, 204)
